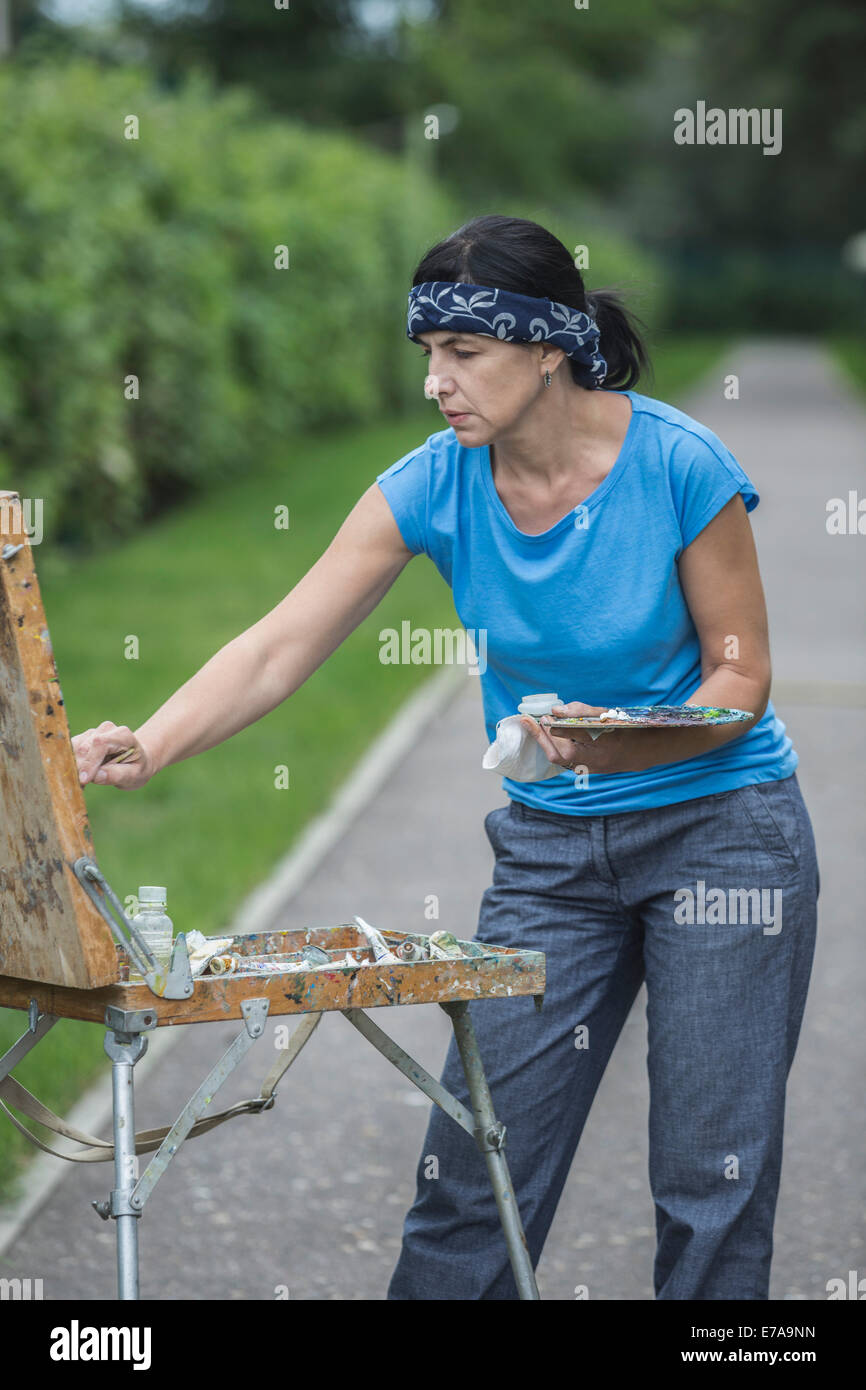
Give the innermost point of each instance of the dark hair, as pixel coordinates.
(512, 253)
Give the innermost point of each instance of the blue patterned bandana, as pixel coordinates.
(515, 318)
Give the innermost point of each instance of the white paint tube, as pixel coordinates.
(223, 965)
(381, 951)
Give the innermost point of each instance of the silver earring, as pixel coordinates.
(548, 379)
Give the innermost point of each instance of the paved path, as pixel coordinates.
(312, 1195)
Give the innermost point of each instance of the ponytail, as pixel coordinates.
(621, 343)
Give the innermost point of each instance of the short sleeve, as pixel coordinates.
(704, 476)
(406, 488)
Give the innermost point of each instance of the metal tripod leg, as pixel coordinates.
(490, 1138)
(125, 1044)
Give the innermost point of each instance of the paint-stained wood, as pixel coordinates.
(49, 929)
(501, 973)
(54, 945)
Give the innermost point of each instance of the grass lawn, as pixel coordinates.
(212, 827)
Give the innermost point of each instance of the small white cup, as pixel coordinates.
(537, 705)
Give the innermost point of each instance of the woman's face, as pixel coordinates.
(483, 385)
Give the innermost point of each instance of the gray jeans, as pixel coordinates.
(713, 903)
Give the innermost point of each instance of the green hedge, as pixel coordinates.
(155, 257)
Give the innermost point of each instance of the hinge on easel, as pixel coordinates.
(177, 982)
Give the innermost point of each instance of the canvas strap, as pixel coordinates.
(102, 1150)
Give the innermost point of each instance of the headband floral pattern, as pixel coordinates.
(514, 318)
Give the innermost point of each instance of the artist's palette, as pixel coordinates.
(648, 717)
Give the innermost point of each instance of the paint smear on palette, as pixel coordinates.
(654, 717)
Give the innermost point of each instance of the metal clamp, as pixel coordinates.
(492, 1139)
(120, 1203)
(127, 1022)
(127, 1048)
(178, 982)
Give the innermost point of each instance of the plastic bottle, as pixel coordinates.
(152, 921)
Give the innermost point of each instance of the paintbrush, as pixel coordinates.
(120, 757)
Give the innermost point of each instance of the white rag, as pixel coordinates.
(516, 754)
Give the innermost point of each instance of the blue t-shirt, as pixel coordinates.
(591, 608)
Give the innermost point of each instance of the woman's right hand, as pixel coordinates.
(95, 746)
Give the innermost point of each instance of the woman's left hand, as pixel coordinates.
(613, 752)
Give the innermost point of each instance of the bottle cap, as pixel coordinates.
(151, 895)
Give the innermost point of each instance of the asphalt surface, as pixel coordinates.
(309, 1198)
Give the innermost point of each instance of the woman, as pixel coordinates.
(600, 539)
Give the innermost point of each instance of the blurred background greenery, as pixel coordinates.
(308, 126)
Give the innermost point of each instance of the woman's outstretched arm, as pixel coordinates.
(262, 666)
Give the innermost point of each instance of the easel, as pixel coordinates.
(63, 935)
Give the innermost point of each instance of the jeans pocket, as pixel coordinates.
(492, 821)
(772, 808)
(553, 822)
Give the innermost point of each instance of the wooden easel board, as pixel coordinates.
(55, 947)
(49, 929)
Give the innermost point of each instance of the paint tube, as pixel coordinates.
(446, 943)
(223, 965)
(202, 949)
(249, 965)
(410, 951)
(381, 951)
(472, 948)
